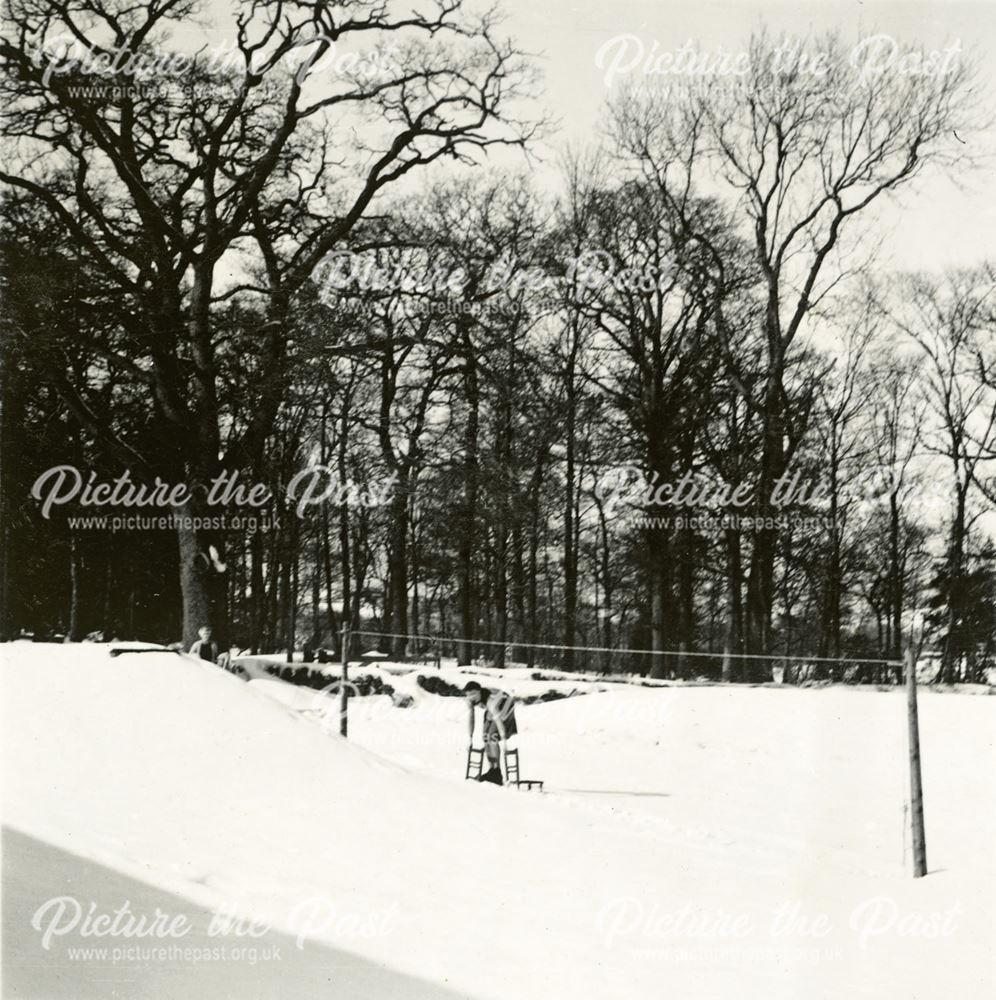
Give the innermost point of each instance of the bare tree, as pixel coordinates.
(843, 455)
(807, 154)
(949, 320)
(161, 181)
(896, 422)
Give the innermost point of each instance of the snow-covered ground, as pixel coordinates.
(692, 842)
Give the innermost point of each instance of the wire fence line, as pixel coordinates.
(621, 659)
(802, 657)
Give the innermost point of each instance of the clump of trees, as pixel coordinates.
(223, 281)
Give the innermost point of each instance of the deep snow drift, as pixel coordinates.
(699, 842)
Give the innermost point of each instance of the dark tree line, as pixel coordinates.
(217, 279)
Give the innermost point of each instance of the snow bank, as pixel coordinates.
(695, 842)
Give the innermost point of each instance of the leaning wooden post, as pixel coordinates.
(916, 783)
(344, 685)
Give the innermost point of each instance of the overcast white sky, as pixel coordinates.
(933, 225)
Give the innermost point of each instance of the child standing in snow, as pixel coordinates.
(205, 647)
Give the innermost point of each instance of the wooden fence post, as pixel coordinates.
(916, 782)
(344, 684)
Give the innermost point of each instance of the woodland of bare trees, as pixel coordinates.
(672, 401)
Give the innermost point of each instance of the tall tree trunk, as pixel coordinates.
(533, 577)
(954, 646)
(284, 614)
(658, 538)
(203, 583)
(686, 594)
(12, 406)
(397, 560)
(501, 594)
(895, 589)
(258, 604)
(607, 585)
(316, 590)
(468, 520)
(735, 599)
(761, 576)
(835, 570)
(343, 526)
(292, 590)
(570, 549)
(360, 560)
(518, 587)
(535, 538)
(75, 571)
(414, 569)
(272, 603)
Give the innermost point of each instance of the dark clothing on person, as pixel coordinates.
(493, 775)
(205, 650)
(502, 706)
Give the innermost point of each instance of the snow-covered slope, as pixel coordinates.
(700, 843)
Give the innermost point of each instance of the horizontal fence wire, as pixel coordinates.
(440, 641)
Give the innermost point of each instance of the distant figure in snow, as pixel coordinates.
(205, 647)
(497, 727)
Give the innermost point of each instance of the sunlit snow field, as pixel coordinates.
(691, 841)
